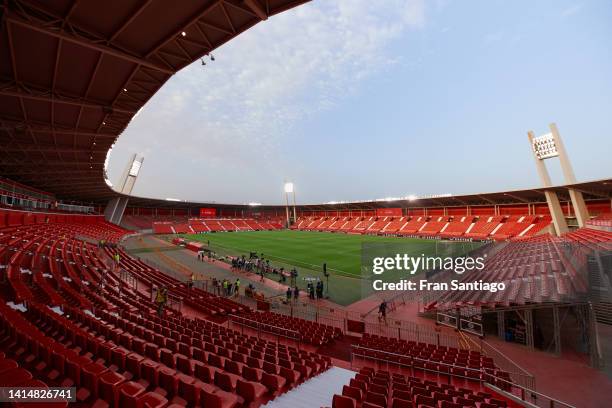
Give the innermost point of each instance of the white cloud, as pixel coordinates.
(571, 10)
(230, 116)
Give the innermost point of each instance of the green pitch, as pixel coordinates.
(307, 251)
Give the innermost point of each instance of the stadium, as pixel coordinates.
(110, 299)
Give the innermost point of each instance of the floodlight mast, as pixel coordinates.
(115, 208)
(288, 190)
(549, 146)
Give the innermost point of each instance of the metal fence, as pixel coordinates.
(511, 389)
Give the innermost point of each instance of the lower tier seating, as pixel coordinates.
(309, 332)
(381, 389)
(78, 323)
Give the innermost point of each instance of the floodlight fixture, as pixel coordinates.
(412, 197)
(288, 187)
(544, 147)
(135, 168)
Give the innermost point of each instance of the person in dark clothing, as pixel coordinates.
(289, 293)
(296, 294)
(382, 311)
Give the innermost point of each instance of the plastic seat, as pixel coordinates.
(448, 404)
(188, 389)
(14, 377)
(167, 357)
(108, 385)
(132, 364)
(273, 383)
(90, 375)
(233, 367)
(215, 361)
(291, 376)
(167, 380)
(218, 399)
(250, 391)
(183, 364)
(203, 372)
(151, 400)
(352, 392)
(129, 393)
(225, 381)
(401, 403)
(340, 401)
(379, 389)
(376, 398)
(251, 374)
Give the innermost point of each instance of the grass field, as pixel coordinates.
(307, 251)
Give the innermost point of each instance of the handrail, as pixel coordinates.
(525, 391)
(520, 369)
(297, 337)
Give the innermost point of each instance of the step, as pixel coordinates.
(316, 392)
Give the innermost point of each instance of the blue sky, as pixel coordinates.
(354, 100)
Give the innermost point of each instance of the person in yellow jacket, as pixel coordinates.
(161, 299)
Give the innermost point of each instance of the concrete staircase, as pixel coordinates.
(316, 392)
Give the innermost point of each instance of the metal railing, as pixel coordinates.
(260, 327)
(503, 386)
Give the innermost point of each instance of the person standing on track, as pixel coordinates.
(382, 312)
(296, 294)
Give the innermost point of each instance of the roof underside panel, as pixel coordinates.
(74, 73)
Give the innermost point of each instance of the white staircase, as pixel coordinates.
(316, 392)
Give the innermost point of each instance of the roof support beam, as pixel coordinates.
(39, 129)
(178, 32)
(41, 147)
(54, 98)
(517, 198)
(592, 192)
(62, 34)
(256, 8)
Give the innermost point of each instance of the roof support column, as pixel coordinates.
(580, 209)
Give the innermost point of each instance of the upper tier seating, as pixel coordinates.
(433, 226)
(163, 228)
(214, 225)
(457, 227)
(412, 226)
(327, 223)
(475, 227)
(363, 226)
(378, 225)
(512, 226)
(483, 227)
(350, 224)
(336, 225)
(394, 226)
